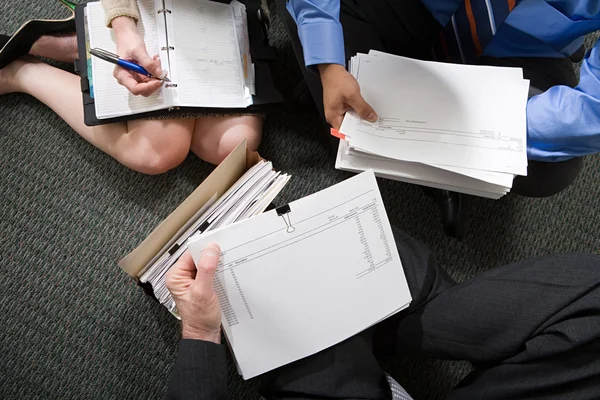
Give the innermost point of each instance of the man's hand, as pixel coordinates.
(342, 93)
(130, 46)
(196, 300)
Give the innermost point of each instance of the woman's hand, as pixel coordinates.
(130, 46)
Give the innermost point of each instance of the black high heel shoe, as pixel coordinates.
(19, 44)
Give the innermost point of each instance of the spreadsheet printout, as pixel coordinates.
(296, 280)
(435, 113)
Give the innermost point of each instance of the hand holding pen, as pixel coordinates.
(131, 46)
(126, 64)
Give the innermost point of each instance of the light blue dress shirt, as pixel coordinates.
(562, 122)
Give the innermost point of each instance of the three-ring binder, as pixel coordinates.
(284, 212)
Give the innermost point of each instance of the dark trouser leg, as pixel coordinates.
(547, 178)
(532, 330)
(349, 370)
(544, 178)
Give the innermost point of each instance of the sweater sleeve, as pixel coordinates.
(120, 8)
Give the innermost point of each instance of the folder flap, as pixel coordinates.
(252, 158)
(221, 179)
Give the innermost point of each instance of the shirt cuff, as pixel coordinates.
(322, 43)
(121, 12)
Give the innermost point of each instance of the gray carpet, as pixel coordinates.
(73, 326)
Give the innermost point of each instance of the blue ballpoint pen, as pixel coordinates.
(128, 65)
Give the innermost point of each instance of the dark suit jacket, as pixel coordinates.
(200, 371)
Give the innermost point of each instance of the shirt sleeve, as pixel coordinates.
(120, 8)
(319, 30)
(200, 372)
(564, 122)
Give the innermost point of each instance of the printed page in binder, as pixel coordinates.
(207, 66)
(301, 278)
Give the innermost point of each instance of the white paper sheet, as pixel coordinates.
(291, 285)
(207, 62)
(241, 27)
(442, 114)
(416, 173)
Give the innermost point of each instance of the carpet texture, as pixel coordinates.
(73, 326)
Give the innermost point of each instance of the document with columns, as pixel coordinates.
(307, 275)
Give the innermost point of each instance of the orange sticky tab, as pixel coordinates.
(337, 134)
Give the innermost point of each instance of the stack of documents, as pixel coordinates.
(448, 126)
(248, 197)
(306, 276)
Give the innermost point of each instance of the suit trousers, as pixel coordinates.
(531, 329)
(406, 28)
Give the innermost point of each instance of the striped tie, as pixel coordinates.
(471, 29)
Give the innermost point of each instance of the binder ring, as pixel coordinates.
(171, 85)
(167, 48)
(164, 10)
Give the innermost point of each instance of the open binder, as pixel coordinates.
(170, 32)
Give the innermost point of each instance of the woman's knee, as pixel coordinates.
(154, 160)
(250, 130)
(214, 140)
(155, 147)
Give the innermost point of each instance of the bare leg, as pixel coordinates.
(215, 137)
(150, 147)
(59, 46)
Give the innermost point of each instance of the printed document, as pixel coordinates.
(443, 114)
(306, 276)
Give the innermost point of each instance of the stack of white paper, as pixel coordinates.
(249, 196)
(448, 126)
(296, 280)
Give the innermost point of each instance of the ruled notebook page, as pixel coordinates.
(112, 99)
(206, 62)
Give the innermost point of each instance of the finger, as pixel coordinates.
(136, 88)
(362, 108)
(138, 77)
(129, 82)
(186, 262)
(334, 119)
(207, 266)
(150, 87)
(142, 58)
(183, 271)
(156, 58)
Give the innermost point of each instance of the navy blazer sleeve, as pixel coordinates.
(200, 372)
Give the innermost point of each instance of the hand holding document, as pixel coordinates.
(456, 127)
(249, 196)
(306, 276)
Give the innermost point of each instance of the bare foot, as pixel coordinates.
(59, 46)
(9, 82)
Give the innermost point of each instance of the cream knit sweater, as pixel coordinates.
(120, 8)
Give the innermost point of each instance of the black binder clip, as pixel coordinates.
(284, 212)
